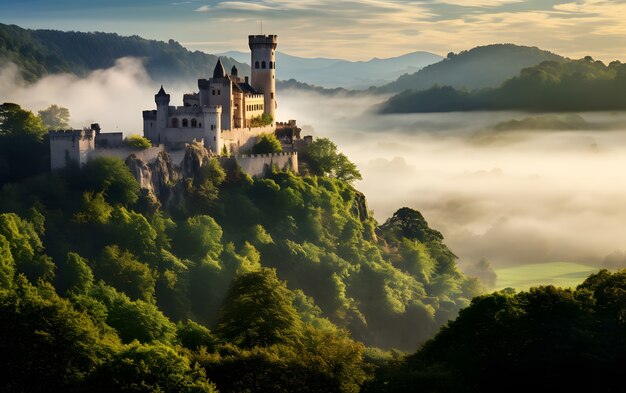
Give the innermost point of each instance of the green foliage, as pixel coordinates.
(267, 143)
(110, 176)
(263, 120)
(150, 368)
(15, 121)
(552, 86)
(480, 67)
(41, 52)
(544, 339)
(137, 142)
(44, 342)
(55, 118)
(192, 335)
(323, 159)
(122, 270)
(134, 320)
(259, 310)
(74, 275)
(24, 148)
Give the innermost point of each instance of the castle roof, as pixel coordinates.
(246, 88)
(161, 92)
(219, 71)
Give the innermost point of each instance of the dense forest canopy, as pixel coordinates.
(573, 85)
(480, 67)
(41, 52)
(214, 278)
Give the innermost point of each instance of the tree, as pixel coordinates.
(324, 160)
(15, 121)
(111, 176)
(259, 310)
(74, 275)
(267, 143)
(45, 343)
(24, 150)
(137, 142)
(149, 368)
(55, 117)
(122, 270)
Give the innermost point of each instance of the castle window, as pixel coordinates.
(194, 123)
(256, 65)
(264, 65)
(271, 65)
(199, 124)
(174, 123)
(219, 92)
(185, 123)
(272, 95)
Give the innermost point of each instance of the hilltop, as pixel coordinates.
(483, 66)
(552, 86)
(41, 52)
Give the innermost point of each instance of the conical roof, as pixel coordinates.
(161, 92)
(219, 70)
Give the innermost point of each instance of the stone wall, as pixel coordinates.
(241, 140)
(146, 155)
(258, 165)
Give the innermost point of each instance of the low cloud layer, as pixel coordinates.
(511, 196)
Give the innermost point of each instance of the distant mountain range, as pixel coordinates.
(483, 66)
(41, 52)
(332, 73)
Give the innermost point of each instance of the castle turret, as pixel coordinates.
(219, 71)
(263, 65)
(162, 100)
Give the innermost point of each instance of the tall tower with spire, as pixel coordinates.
(162, 100)
(263, 66)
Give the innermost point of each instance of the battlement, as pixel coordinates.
(84, 134)
(261, 41)
(268, 155)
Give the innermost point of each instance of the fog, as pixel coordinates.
(494, 189)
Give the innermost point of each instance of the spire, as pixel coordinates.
(234, 71)
(161, 92)
(219, 70)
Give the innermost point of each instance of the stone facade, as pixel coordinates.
(225, 103)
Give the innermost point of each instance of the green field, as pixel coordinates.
(562, 274)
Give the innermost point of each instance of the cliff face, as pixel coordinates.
(159, 178)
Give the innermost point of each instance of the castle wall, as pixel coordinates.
(109, 139)
(146, 155)
(71, 145)
(258, 165)
(241, 140)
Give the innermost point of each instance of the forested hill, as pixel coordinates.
(573, 85)
(41, 52)
(483, 66)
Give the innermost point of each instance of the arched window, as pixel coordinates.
(185, 123)
(256, 65)
(174, 123)
(264, 65)
(194, 123)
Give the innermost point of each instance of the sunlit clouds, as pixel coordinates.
(350, 29)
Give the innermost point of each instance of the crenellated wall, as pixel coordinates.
(258, 165)
(242, 139)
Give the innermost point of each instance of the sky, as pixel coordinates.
(348, 29)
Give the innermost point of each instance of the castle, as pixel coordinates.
(226, 115)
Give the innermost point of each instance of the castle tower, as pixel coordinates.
(263, 65)
(162, 100)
